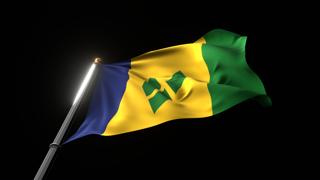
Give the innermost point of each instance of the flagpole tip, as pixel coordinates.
(98, 60)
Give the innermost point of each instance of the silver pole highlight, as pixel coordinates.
(56, 143)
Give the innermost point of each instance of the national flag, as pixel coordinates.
(193, 80)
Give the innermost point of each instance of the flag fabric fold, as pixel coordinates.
(193, 80)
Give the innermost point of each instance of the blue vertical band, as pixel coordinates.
(109, 89)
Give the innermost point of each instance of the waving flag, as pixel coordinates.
(193, 80)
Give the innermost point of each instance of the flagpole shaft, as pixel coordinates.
(45, 164)
(56, 143)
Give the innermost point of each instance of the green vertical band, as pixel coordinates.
(231, 79)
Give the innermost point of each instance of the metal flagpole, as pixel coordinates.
(56, 142)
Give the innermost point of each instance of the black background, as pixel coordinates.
(57, 44)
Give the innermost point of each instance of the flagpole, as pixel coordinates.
(56, 142)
